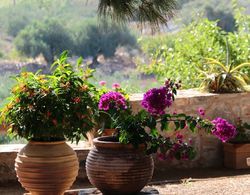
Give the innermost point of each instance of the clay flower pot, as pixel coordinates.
(46, 167)
(236, 155)
(116, 168)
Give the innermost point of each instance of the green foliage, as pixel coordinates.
(51, 107)
(6, 84)
(93, 39)
(143, 128)
(27, 11)
(180, 57)
(16, 24)
(243, 132)
(49, 38)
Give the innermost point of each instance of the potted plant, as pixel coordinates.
(123, 164)
(237, 150)
(105, 116)
(47, 110)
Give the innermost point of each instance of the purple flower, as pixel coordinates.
(201, 112)
(223, 129)
(112, 100)
(156, 100)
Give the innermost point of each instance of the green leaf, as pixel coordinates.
(177, 125)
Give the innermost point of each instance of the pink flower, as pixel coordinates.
(102, 83)
(201, 112)
(116, 85)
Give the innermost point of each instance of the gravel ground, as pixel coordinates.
(180, 182)
(221, 186)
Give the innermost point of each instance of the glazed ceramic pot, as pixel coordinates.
(46, 168)
(116, 168)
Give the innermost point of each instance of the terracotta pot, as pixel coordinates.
(91, 135)
(235, 155)
(116, 168)
(46, 168)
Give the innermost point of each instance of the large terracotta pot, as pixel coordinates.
(116, 168)
(46, 168)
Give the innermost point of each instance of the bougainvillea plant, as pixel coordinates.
(51, 107)
(112, 105)
(148, 125)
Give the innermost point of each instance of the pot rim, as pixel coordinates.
(46, 143)
(112, 143)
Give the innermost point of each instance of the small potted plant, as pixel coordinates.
(47, 110)
(237, 150)
(123, 164)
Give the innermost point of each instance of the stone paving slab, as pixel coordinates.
(94, 191)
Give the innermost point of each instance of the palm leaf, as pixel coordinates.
(212, 61)
(240, 66)
(154, 12)
(240, 80)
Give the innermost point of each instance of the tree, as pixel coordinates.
(95, 39)
(48, 38)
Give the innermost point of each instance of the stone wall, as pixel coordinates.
(209, 149)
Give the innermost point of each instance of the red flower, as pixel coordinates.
(77, 100)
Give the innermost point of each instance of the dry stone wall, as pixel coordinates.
(209, 148)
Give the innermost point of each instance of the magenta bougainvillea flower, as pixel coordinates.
(156, 100)
(112, 100)
(201, 112)
(223, 129)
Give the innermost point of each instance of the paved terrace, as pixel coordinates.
(205, 181)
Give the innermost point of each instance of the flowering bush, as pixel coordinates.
(146, 126)
(51, 107)
(111, 105)
(112, 100)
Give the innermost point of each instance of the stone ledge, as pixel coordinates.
(9, 148)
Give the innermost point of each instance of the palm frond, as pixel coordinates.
(212, 61)
(240, 66)
(154, 12)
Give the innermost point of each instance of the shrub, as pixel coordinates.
(48, 38)
(93, 39)
(180, 57)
